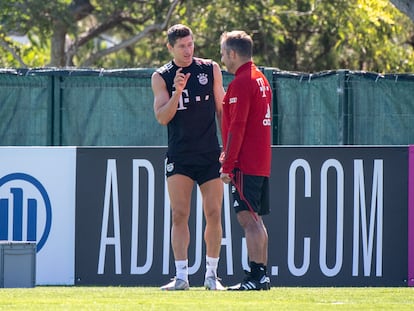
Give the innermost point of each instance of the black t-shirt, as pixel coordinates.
(193, 129)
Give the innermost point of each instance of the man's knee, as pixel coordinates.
(246, 219)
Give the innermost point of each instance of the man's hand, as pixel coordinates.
(180, 80)
(222, 157)
(226, 178)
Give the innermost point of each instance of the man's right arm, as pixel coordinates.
(165, 106)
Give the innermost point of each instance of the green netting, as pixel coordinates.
(82, 107)
(382, 109)
(108, 111)
(25, 110)
(307, 109)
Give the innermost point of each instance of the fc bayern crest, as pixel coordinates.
(202, 78)
(170, 167)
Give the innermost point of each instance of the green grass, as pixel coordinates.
(151, 298)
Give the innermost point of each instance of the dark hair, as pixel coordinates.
(238, 41)
(178, 31)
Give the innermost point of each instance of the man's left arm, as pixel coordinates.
(219, 92)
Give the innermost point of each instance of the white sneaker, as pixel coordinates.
(213, 283)
(176, 284)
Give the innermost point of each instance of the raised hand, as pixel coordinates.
(180, 80)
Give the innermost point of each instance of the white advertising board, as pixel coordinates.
(37, 203)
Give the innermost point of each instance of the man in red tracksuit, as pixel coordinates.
(246, 156)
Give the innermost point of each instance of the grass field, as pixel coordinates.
(151, 298)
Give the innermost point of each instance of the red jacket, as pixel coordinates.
(246, 123)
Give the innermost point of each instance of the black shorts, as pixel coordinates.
(200, 168)
(255, 189)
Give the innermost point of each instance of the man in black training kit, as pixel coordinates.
(188, 95)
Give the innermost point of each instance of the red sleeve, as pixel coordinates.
(236, 118)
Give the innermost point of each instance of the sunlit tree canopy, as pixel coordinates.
(294, 35)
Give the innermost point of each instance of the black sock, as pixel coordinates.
(257, 270)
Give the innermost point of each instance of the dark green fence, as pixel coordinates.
(46, 107)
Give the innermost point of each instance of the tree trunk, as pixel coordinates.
(57, 53)
(78, 9)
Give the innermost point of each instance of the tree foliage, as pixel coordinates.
(297, 35)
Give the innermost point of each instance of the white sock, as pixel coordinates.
(211, 266)
(181, 268)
